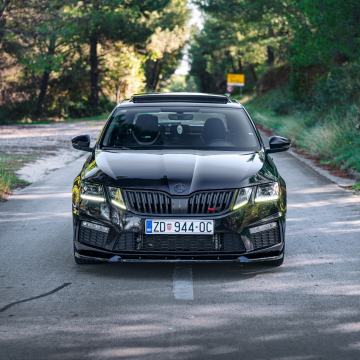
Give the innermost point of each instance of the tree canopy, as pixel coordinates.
(74, 58)
(308, 37)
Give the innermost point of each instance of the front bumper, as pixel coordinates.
(126, 259)
(126, 242)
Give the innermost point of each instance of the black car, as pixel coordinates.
(179, 177)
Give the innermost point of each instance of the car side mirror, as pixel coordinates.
(278, 144)
(82, 142)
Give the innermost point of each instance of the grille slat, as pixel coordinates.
(156, 202)
(222, 201)
(216, 198)
(131, 196)
(137, 202)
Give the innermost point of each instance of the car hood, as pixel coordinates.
(178, 173)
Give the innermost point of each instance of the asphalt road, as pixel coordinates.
(307, 309)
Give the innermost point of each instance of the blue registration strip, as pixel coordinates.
(148, 227)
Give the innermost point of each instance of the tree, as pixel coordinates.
(4, 5)
(111, 20)
(164, 47)
(31, 38)
(73, 58)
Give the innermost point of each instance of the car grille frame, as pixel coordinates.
(92, 237)
(220, 243)
(265, 238)
(147, 202)
(200, 203)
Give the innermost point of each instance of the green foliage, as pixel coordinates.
(238, 36)
(304, 55)
(180, 83)
(327, 33)
(331, 135)
(338, 88)
(9, 164)
(356, 187)
(77, 58)
(165, 45)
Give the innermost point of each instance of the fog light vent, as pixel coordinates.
(269, 236)
(261, 228)
(93, 226)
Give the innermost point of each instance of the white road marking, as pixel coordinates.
(183, 283)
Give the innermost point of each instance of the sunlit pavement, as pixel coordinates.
(307, 309)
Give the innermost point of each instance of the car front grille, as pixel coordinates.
(159, 203)
(210, 202)
(265, 238)
(181, 243)
(220, 243)
(148, 202)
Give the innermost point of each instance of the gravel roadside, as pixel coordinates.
(38, 149)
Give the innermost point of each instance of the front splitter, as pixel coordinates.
(241, 259)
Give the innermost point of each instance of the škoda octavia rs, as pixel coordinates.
(179, 177)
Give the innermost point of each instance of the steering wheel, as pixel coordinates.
(152, 142)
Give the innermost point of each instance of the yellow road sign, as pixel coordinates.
(236, 79)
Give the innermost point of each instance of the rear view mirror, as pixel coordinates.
(82, 142)
(278, 144)
(180, 116)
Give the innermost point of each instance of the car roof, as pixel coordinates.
(180, 97)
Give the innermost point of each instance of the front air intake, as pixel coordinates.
(148, 202)
(159, 203)
(210, 202)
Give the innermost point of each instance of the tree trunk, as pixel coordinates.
(270, 55)
(94, 73)
(240, 67)
(3, 7)
(45, 78)
(253, 72)
(157, 75)
(153, 70)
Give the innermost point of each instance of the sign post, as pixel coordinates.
(235, 80)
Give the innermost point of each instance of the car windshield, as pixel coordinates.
(169, 127)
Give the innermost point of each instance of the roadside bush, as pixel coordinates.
(337, 139)
(330, 134)
(339, 88)
(284, 107)
(11, 112)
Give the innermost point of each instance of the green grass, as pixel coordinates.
(356, 187)
(9, 164)
(332, 137)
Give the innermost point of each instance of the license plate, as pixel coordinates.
(174, 226)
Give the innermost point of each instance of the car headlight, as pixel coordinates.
(92, 192)
(93, 200)
(242, 198)
(117, 198)
(267, 192)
